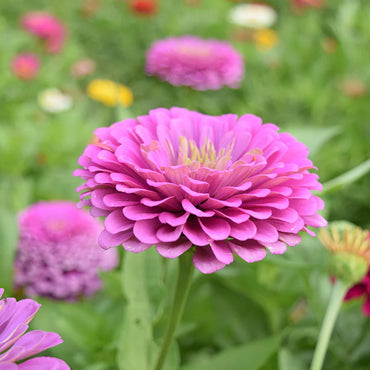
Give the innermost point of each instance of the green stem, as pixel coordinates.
(181, 293)
(336, 299)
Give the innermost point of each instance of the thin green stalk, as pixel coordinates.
(336, 299)
(182, 289)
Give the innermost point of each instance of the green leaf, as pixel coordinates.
(348, 177)
(136, 332)
(313, 137)
(250, 356)
(288, 361)
(8, 235)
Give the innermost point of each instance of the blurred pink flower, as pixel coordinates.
(25, 66)
(46, 27)
(177, 178)
(16, 346)
(83, 67)
(192, 61)
(302, 4)
(58, 253)
(359, 290)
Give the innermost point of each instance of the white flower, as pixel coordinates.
(54, 101)
(253, 15)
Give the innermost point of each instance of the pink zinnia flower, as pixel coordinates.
(25, 66)
(16, 346)
(46, 27)
(58, 253)
(178, 178)
(362, 289)
(195, 62)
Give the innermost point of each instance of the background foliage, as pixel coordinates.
(256, 316)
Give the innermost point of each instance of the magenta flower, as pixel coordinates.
(178, 178)
(46, 27)
(16, 346)
(25, 66)
(58, 253)
(362, 289)
(195, 62)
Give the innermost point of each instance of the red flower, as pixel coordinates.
(361, 289)
(144, 7)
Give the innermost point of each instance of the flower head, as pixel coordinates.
(266, 39)
(25, 66)
(361, 289)
(46, 27)
(110, 93)
(192, 61)
(144, 7)
(300, 4)
(83, 67)
(177, 178)
(58, 253)
(16, 346)
(54, 101)
(257, 16)
(350, 247)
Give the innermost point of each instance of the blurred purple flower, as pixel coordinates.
(47, 27)
(178, 178)
(16, 346)
(192, 61)
(362, 289)
(25, 66)
(58, 253)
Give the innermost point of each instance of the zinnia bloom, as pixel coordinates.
(58, 253)
(177, 178)
(143, 7)
(26, 66)
(83, 67)
(299, 4)
(359, 290)
(46, 27)
(266, 39)
(54, 101)
(16, 346)
(256, 16)
(110, 93)
(195, 62)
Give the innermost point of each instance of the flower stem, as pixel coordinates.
(336, 299)
(181, 293)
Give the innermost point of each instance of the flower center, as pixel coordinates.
(205, 156)
(193, 51)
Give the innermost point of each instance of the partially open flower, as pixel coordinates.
(255, 16)
(361, 290)
(26, 66)
(58, 253)
(110, 93)
(54, 101)
(16, 345)
(350, 249)
(222, 184)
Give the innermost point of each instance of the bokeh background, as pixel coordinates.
(311, 78)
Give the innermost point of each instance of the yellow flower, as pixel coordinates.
(350, 248)
(110, 93)
(266, 39)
